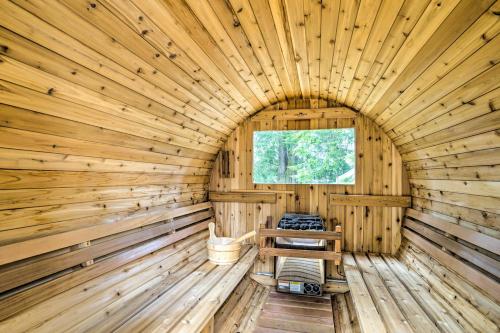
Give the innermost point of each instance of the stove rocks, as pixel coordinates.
(301, 222)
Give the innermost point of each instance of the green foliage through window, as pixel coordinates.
(304, 157)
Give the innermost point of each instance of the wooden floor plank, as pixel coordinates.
(306, 313)
(303, 299)
(293, 323)
(259, 329)
(299, 304)
(286, 312)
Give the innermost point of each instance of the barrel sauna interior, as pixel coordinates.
(127, 126)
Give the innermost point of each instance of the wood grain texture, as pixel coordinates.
(328, 235)
(142, 95)
(483, 261)
(414, 294)
(275, 252)
(23, 274)
(297, 114)
(241, 197)
(481, 240)
(285, 312)
(369, 200)
(400, 297)
(379, 172)
(369, 319)
(239, 312)
(471, 307)
(137, 292)
(482, 281)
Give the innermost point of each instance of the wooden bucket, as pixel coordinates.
(222, 252)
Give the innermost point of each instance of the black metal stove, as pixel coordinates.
(300, 275)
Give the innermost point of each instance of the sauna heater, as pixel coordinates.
(300, 275)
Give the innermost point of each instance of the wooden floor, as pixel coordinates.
(290, 313)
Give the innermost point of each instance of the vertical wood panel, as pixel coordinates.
(365, 229)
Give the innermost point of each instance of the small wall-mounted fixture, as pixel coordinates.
(226, 164)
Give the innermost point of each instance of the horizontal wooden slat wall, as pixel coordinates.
(99, 125)
(106, 105)
(379, 170)
(441, 110)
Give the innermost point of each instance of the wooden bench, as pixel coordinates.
(173, 289)
(241, 310)
(473, 254)
(443, 280)
(150, 271)
(79, 255)
(379, 295)
(389, 297)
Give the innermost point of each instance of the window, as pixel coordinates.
(304, 157)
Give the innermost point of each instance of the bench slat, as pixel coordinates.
(486, 242)
(208, 305)
(410, 308)
(475, 277)
(434, 309)
(25, 249)
(392, 316)
(368, 316)
(26, 298)
(475, 257)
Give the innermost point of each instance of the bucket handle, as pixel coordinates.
(245, 236)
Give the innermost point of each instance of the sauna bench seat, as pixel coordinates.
(175, 289)
(388, 297)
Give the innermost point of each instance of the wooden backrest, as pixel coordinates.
(130, 238)
(473, 255)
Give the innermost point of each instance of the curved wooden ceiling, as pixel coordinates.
(403, 63)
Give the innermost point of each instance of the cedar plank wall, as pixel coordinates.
(83, 140)
(379, 170)
(174, 78)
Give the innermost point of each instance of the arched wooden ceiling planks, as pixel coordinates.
(219, 61)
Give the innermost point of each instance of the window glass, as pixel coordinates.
(324, 156)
